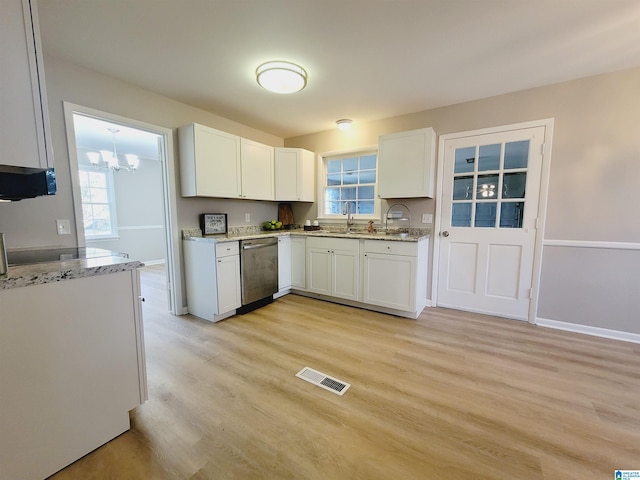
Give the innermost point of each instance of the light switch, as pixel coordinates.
(427, 218)
(63, 227)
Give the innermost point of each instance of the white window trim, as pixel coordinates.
(111, 194)
(322, 173)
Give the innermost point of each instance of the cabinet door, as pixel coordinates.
(319, 266)
(345, 274)
(257, 171)
(406, 164)
(298, 263)
(228, 276)
(389, 281)
(284, 263)
(286, 171)
(25, 139)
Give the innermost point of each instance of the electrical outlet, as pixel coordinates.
(427, 218)
(247, 217)
(63, 227)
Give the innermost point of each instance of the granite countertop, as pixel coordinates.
(194, 235)
(56, 271)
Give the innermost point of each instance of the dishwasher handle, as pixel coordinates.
(249, 246)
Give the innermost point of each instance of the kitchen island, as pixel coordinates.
(72, 361)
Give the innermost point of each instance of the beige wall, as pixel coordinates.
(595, 173)
(31, 223)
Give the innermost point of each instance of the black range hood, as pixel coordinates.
(18, 183)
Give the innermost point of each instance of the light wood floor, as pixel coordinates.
(448, 396)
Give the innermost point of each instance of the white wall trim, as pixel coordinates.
(588, 330)
(592, 244)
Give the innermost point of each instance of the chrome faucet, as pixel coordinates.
(347, 211)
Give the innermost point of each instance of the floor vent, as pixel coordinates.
(323, 381)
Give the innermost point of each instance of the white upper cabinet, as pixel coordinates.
(295, 174)
(257, 170)
(25, 138)
(406, 164)
(218, 164)
(209, 162)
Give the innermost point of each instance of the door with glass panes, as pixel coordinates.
(490, 196)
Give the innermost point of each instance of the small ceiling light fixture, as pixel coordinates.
(344, 124)
(281, 77)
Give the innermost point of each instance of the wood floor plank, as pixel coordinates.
(451, 395)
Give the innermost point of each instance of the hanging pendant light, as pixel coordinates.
(109, 159)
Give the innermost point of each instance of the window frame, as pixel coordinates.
(322, 180)
(111, 202)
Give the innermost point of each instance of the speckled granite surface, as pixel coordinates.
(26, 275)
(413, 235)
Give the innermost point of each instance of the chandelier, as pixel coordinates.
(108, 160)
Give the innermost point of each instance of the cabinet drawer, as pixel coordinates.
(392, 248)
(225, 249)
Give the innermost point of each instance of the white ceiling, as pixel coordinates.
(366, 59)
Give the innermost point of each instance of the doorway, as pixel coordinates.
(493, 185)
(123, 195)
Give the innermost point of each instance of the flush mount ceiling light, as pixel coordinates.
(281, 77)
(344, 124)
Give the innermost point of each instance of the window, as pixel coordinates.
(98, 203)
(350, 178)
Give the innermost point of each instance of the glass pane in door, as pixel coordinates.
(461, 215)
(463, 188)
(516, 154)
(489, 157)
(486, 214)
(514, 185)
(511, 214)
(464, 160)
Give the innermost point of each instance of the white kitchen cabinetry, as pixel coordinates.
(299, 263)
(25, 138)
(212, 274)
(257, 162)
(333, 267)
(209, 162)
(72, 368)
(295, 174)
(395, 274)
(284, 266)
(406, 164)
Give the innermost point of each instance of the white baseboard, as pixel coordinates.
(588, 330)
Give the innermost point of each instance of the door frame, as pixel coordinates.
(174, 269)
(548, 124)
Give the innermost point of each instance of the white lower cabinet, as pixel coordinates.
(394, 274)
(333, 267)
(284, 266)
(212, 274)
(299, 263)
(72, 368)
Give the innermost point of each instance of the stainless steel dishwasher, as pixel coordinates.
(259, 271)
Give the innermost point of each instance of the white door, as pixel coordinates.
(490, 196)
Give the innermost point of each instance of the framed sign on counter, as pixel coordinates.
(213, 223)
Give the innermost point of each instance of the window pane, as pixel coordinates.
(101, 212)
(365, 208)
(334, 179)
(514, 185)
(97, 179)
(333, 208)
(99, 195)
(461, 215)
(348, 193)
(350, 164)
(486, 214)
(368, 162)
(366, 193)
(489, 158)
(511, 214)
(463, 188)
(332, 194)
(368, 176)
(350, 178)
(516, 154)
(464, 160)
(334, 166)
(487, 187)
